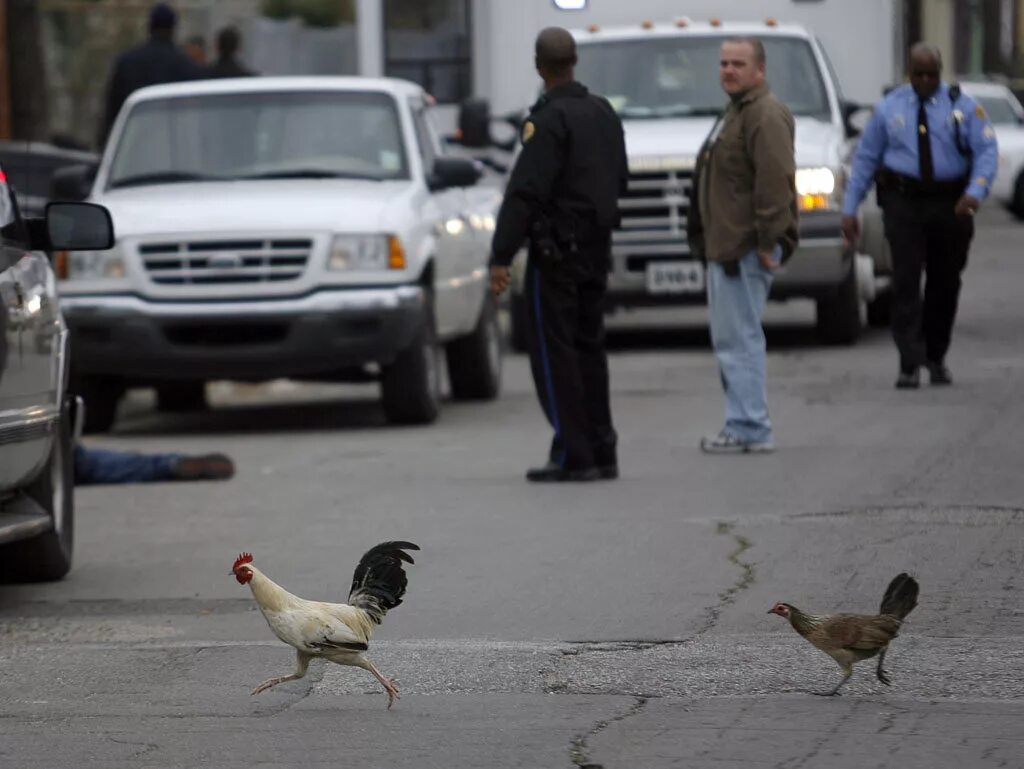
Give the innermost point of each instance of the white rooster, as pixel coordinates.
(337, 632)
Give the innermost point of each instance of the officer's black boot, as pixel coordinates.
(553, 473)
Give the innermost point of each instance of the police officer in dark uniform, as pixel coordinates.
(931, 151)
(563, 196)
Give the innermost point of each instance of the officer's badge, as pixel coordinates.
(980, 111)
(528, 130)
(958, 116)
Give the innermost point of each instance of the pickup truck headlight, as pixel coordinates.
(816, 189)
(366, 252)
(93, 265)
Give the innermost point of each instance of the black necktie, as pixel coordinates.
(924, 145)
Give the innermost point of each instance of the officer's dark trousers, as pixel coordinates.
(925, 235)
(567, 356)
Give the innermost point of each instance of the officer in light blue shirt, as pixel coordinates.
(931, 151)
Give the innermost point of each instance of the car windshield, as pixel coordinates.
(274, 135)
(679, 75)
(999, 109)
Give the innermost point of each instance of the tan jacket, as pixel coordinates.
(747, 182)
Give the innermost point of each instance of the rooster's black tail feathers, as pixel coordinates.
(900, 597)
(379, 581)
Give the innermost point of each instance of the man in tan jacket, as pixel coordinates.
(748, 222)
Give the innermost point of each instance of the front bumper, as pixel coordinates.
(256, 340)
(816, 269)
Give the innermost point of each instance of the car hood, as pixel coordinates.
(313, 205)
(818, 143)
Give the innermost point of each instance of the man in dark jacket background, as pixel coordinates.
(227, 64)
(158, 60)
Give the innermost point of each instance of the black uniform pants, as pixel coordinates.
(925, 235)
(565, 308)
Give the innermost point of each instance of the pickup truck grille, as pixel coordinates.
(225, 261)
(654, 211)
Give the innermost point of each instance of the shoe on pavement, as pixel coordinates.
(908, 380)
(938, 374)
(553, 473)
(209, 467)
(727, 443)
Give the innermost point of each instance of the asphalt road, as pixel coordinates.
(616, 625)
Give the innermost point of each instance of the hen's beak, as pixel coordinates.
(771, 611)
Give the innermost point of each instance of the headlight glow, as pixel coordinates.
(815, 189)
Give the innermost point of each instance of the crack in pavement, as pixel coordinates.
(579, 753)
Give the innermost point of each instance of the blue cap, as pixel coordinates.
(162, 16)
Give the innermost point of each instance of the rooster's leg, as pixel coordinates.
(882, 676)
(387, 683)
(301, 666)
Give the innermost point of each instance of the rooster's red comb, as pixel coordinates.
(243, 558)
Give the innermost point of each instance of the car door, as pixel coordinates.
(29, 326)
(451, 232)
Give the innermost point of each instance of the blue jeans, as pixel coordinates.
(106, 466)
(736, 306)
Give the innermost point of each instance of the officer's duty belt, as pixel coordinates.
(909, 187)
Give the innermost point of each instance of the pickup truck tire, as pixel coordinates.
(1017, 204)
(47, 557)
(474, 361)
(410, 387)
(178, 397)
(838, 315)
(518, 331)
(101, 396)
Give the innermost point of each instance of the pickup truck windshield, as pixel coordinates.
(999, 110)
(678, 76)
(272, 135)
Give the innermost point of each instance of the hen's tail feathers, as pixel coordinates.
(379, 580)
(900, 597)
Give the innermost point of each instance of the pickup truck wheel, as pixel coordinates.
(100, 396)
(47, 556)
(880, 310)
(1017, 204)
(411, 386)
(474, 361)
(178, 397)
(518, 331)
(838, 315)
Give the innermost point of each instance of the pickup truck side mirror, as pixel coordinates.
(73, 182)
(74, 227)
(453, 172)
(855, 118)
(475, 123)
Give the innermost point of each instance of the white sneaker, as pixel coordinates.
(727, 443)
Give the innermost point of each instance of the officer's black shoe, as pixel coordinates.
(608, 472)
(552, 473)
(908, 380)
(938, 374)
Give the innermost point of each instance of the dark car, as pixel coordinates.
(38, 418)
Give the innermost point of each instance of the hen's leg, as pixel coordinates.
(882, 676)
(301, 666)
(847, 673)
(387, 683)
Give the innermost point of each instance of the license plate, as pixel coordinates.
(675, 277)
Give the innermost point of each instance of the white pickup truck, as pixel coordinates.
(307, 228)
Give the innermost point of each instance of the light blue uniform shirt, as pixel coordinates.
(890, 141)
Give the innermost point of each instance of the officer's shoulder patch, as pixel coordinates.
(528, 131)
(979, 111)
(988, 132)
